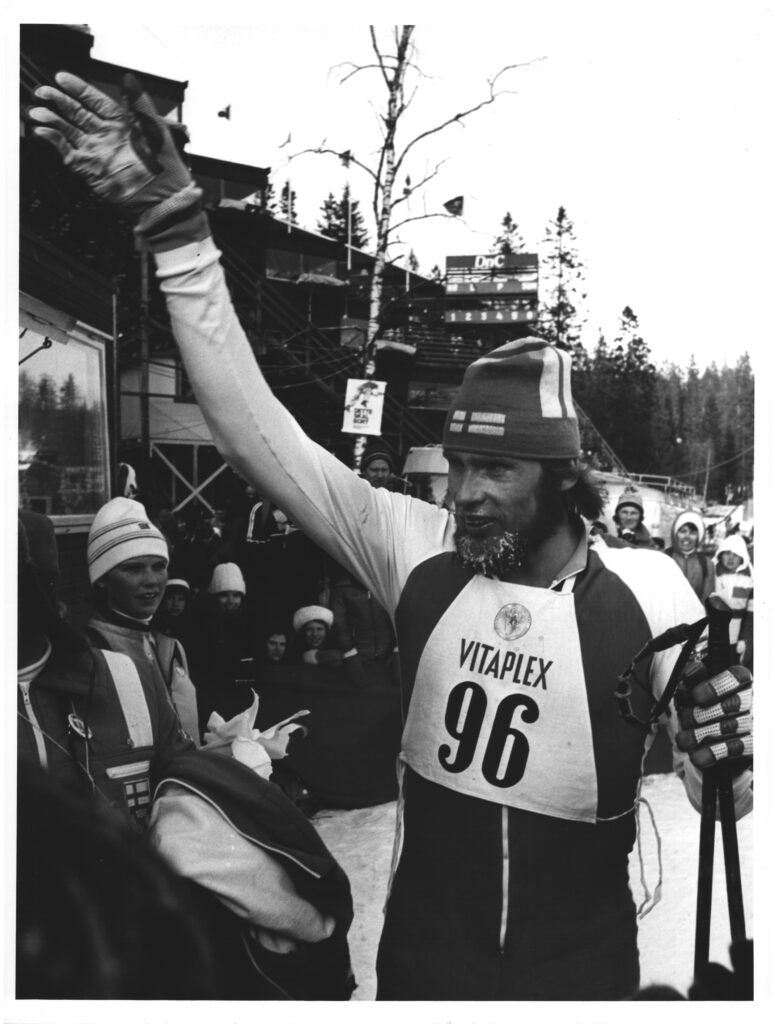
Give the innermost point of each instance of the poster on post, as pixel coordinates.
(363, 407)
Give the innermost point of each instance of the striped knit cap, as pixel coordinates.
(630, 496)
(120, 531)
(516, 402)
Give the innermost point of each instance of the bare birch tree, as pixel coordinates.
(393, 66)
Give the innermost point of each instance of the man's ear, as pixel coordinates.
(568, 474)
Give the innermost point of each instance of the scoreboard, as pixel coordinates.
(494, 288)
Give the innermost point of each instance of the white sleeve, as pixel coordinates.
(379, 536)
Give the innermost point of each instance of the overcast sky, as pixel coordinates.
(646, 121)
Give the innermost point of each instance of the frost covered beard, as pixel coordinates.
(496, 556)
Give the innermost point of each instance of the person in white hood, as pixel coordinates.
(734, 584)
(688, 533)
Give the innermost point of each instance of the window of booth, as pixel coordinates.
(63, 429)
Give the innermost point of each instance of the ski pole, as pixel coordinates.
(717, 787)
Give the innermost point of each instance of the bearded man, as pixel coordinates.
(519, 779)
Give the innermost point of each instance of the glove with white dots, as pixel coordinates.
(716, 716)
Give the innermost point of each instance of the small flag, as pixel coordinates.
(454, 206)
(346, 157)
(226, 112)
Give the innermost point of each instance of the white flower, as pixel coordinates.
(250, 746)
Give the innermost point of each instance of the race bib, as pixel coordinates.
(499, 707)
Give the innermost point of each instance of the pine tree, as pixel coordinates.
(267, 199)
(279, 209)
(412, 262)
(286, 190)
(333, 223)
(559, 319)
(509, 240)
(667, 428)
(328, 224)
(637, 388)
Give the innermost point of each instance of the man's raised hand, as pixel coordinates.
(125, 153)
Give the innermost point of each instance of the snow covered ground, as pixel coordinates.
(362, 841)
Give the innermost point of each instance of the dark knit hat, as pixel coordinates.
(377, 449)
(516, 401)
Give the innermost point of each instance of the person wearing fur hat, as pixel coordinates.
(128, 559)
(628, 517)
(312, 625)
(687, 534)
(75, 718)
(520, 781)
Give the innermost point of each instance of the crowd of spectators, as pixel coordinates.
(248, 593)
(716, 560)
(193, 613)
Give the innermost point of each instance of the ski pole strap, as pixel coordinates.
(688, 635)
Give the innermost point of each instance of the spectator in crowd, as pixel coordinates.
(224, 649)
(275, 646)
(128, 559)
(360, 621)
(177, 594)
(628, 517)
(195, 552)
(734, 585)
(281, 566)
(312, 625)
(687, 534)
(227, 586)
(175, 605)
(377, 463)
(74, 720)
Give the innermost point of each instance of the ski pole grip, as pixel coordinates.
(719, 654)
